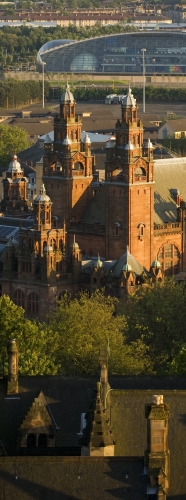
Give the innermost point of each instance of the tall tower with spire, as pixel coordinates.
(68, 164)
(129, 172)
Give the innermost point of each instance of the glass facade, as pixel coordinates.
(165, 54)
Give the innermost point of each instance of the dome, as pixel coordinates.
(47, 140)
(42, 197)
(74, 245)
(67, 96)
(129, 146)
(98, 263)
(156, 264)
(14, 165)
(66, 141)
(127, 267)
(149, 144)
(87, 139)
(128, 101)
(48, 248)
(111, 143)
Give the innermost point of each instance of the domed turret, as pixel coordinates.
(156, 264)
(74, 246)
(67, 96)
(48, 249)
(127, 267)
(67, 141)
(42, 197)
(42, 210)
(128, 101)
(98, 264)
(129, 146)
(14, 165)
(87, 139)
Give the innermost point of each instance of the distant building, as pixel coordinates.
(120, 53)
(173, 128)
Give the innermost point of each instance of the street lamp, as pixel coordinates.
(143, 50)
(43, 74)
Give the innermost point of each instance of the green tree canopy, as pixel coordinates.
(12, 140)
(36, 353)
(81, 326)
(157, 317)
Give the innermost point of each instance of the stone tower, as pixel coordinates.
(129, 172)
(68, 164)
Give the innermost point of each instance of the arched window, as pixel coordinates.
(141, 227)
(169, 258)
(78, 166)
(44, 244)
(33, 303)
(116, 229)
(140, 172)
(19, 298)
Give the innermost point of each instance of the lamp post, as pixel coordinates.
(43, 75)
(143, 50)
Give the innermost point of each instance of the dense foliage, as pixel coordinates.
(146, 336)
(151, 93)
(12, 140)
(15, 92)
(157, 317)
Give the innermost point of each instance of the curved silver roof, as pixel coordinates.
(42, 197)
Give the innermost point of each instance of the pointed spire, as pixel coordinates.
(97, 432)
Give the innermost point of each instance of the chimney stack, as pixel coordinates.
(157, 455)
(12, 350)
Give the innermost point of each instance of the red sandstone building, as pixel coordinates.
(128, 229)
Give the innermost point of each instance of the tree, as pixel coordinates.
(81, 326)
(178, 364)
(157, 317)
(12, 140)
(36, 352)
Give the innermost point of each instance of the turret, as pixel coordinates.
(42, 210)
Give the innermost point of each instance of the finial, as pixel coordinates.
(42, 189)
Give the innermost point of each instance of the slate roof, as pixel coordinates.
(176, 125)
(33, 154)
(7, 232)
(33, 126)
(100, 478)
(127, 258)
(15, 222)
(70, 478)
(169, 174)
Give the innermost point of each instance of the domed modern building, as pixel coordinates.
(165, 53)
